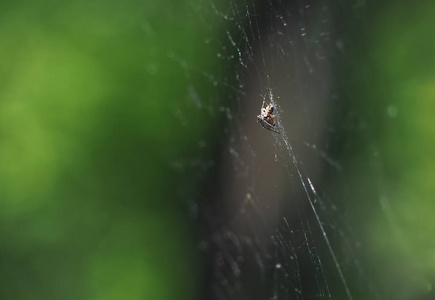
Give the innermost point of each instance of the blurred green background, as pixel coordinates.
(88, 135)
(397, 94)
(92, 98)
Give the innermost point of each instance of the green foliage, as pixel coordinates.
(395, 89)
(88, 134)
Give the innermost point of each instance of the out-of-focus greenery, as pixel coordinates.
(403, 51)
(89, 96)
(394, 88)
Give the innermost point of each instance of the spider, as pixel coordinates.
(266, 118)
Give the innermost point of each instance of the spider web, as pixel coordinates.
(274, 218)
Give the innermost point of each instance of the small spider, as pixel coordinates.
(266, 118)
